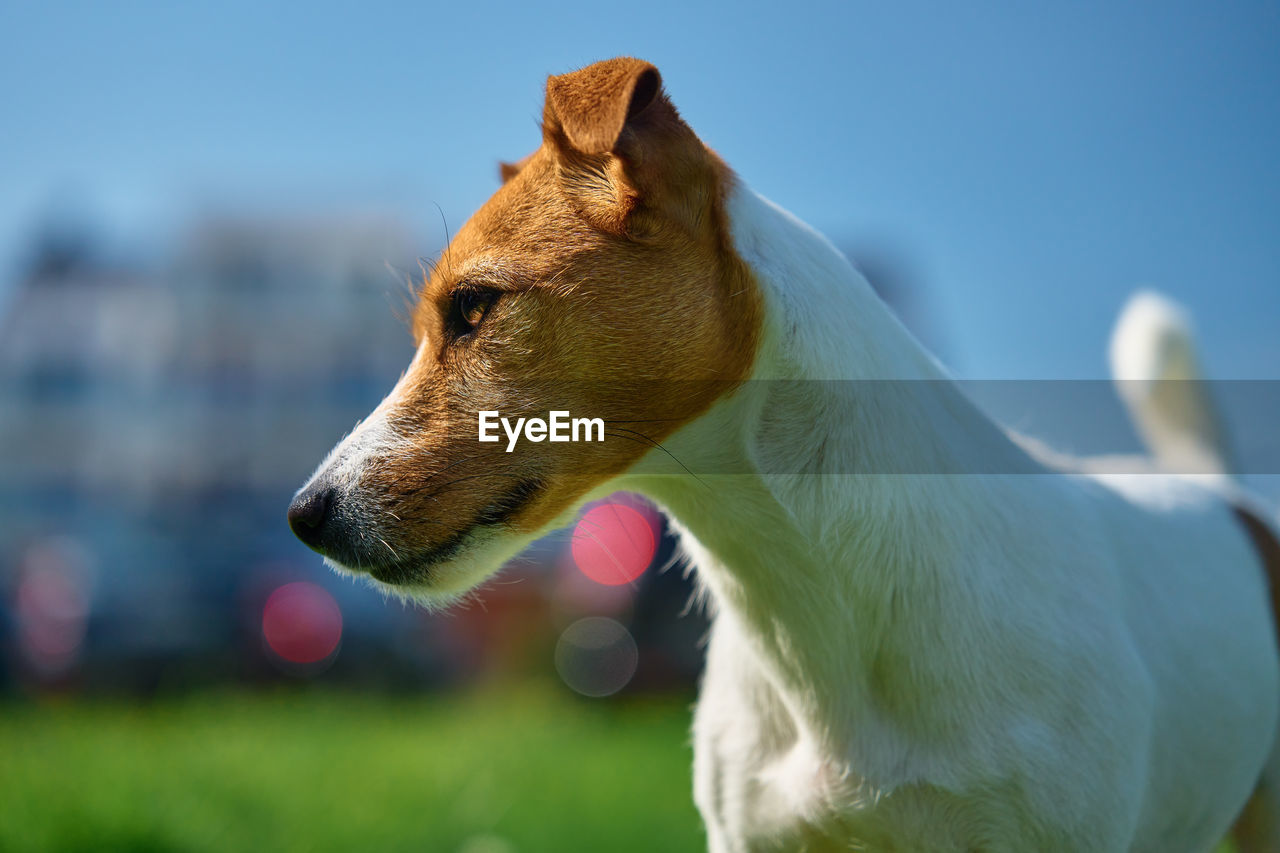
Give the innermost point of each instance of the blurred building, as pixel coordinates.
(159, 415)
(138, 385)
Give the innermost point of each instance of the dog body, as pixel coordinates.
(1027, 660)
(929, 635)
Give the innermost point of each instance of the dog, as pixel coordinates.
(929, 634)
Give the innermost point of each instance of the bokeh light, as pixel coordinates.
(301, 623)
(596, 656)
(613, 543)
(52, 604)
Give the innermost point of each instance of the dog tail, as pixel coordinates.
(1157, 375)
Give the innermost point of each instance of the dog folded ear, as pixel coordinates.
(592, 105)
(624, 156)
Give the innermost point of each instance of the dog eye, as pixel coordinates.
(469, 307)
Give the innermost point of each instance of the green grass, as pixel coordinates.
(530, 770)
(500, 772)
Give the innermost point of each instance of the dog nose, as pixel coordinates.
(308, 514)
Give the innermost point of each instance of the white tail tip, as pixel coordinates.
(1157, 372)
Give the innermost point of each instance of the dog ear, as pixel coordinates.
(624, 156)
(507, 171)
(592, 106)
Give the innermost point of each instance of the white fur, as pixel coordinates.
(992, 655)
(1157, 373)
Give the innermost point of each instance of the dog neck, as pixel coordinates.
(826, 499)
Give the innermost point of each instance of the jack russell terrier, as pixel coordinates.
(929, 634)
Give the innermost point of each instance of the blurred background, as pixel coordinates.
(210, 219)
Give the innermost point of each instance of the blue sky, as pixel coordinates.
(1035, 162)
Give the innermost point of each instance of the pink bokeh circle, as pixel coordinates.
(613, 544)
(301, 623)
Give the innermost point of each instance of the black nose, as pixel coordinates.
(308, 514)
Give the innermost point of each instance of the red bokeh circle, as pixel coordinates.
(613, 544)
(301, 623)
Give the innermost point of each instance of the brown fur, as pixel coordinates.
(1256, 831)
(620, 298)
(507, 171)
(1268, 548)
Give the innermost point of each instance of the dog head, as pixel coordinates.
(600, 280)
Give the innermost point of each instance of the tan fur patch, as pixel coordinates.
(1268, 548)
(617, 295)
(1255, 828)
